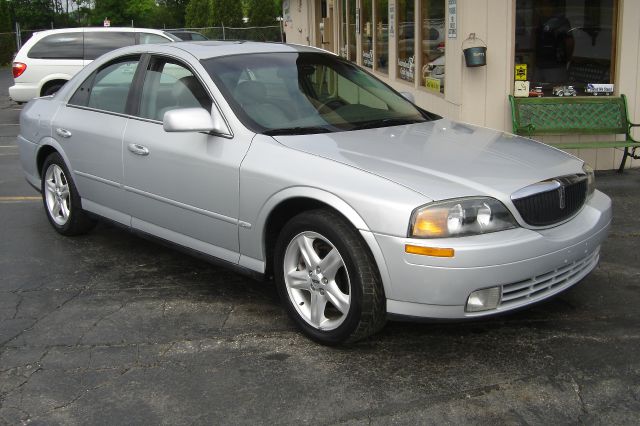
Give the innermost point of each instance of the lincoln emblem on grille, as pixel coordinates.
(561, 195)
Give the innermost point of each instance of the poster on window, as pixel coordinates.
(453, 19)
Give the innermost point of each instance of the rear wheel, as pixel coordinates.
(327, 279)
(61, 200)
(51, 89)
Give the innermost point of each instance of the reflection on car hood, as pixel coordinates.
(442, 159)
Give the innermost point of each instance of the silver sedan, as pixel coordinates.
(293, 164)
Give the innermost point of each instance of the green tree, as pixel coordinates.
(7, 42)
(261, 12)
(141, 12)
(226, 12)
(111, 9)
(172, 12)
(33, 14)
(197, 13)
(122, 12)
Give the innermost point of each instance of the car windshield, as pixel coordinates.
(303, 93)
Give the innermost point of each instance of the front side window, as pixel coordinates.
(294, 93)
(58, 46)
(100, 42)
(108, 88)
(566, 47)
(406, 39)
(433, 43)
(169, 85)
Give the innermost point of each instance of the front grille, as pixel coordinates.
(551, 207)
(542, 285)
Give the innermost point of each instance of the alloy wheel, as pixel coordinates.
(317, 281)
(57, 194)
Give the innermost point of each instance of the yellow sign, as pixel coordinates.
(521, 72)
(432, 84)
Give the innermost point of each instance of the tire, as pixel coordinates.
(334, 296)
(61, 199)
(51, 89)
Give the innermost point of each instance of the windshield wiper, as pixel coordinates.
(386, 122)
(296, 131)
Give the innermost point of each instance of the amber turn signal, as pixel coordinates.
(429, 251)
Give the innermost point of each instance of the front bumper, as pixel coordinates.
(528, 265)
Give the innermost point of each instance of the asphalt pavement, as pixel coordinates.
(109, 328)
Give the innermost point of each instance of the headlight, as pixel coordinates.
(591, 179)
(460, 217)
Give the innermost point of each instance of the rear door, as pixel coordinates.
(90, 129)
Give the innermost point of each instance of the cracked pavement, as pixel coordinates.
(109, 328)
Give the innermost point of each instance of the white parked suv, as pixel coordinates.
(50, 58)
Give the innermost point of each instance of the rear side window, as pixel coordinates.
(58, 46)
(108, 88)
(99, 43)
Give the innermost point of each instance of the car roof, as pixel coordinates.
(214, 48)
(99, 29)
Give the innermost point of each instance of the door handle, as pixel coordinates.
(64, 133)
(138, 149)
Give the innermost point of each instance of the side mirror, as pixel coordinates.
(194, 120)
(408, 96)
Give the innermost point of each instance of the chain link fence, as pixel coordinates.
(268, 33)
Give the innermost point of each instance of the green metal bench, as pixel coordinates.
(576, 115)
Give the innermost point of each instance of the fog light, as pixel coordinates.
(483, 300)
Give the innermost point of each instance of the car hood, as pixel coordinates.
(442, 159)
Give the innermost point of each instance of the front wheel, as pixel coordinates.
(61, 200)
(327, 279)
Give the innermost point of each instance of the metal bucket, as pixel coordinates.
(475, 56)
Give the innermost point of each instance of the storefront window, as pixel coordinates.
(564, 47)
(433, 43)
(352, 30)
(343, 30)
(382, 35)
(366, 32)
(406, 39)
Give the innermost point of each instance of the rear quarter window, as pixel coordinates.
(58, 46)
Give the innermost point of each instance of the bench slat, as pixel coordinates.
(575, 116)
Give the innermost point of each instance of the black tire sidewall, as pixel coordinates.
(322, 223)
(73, 225)
(51, 90)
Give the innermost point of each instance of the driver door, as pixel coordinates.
(182, 187)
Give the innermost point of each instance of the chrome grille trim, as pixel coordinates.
(552, 201)
(544, 285)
